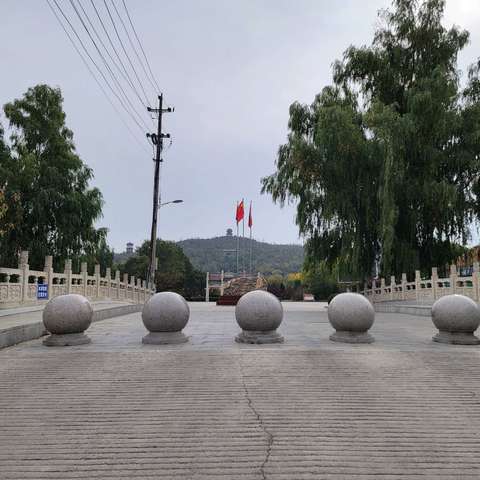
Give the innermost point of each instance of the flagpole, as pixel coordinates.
(243, 241)
(250, 225)
(251, 245)
(237, 237)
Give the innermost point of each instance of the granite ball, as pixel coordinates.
(66, 317)
(164, 316)
(456, 317)
(351, 315)
(259, 314)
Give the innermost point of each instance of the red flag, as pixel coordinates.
(250, 218)
(240, 213)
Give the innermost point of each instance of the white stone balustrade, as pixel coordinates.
(426, 290)
(18, 286)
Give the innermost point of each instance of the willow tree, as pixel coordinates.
(51, 207)
(384, 164)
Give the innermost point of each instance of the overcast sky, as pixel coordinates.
(230, 68)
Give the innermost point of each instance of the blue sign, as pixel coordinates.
(42, 291)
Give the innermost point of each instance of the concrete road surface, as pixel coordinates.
(401, 408)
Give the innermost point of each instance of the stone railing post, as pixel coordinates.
(84, 273)
(108, 278)
(25, 268)
(475, 273)
(221, 282)
(374, 287)
(132, 285)
(139, 291)
(418, 279)
(48, 269)
(125, 282)
(434, 283)
(382, 289)
(68, 275)
(117, 282)
(453, 278)
(144, 290)
(207, 288)
(97, 280)
(392, 287)
(404, 286)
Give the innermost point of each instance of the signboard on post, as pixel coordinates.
(42, 291)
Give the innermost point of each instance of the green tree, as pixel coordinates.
(4, 227)
(56, 208)
(5, 221)
(320, 280)
(99, 252)
(384, 164)
(175, 272)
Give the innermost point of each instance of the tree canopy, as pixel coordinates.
(50, 209)
(384, 164)
(175, 272)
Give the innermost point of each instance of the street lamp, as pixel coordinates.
(167, 203)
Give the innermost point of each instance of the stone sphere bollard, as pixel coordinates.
(456, 318)
(66, 317)
(351, 315)
(259, 314)
(164, 316)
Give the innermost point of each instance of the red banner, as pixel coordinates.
(240, 213)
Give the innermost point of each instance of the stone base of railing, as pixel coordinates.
(31, 331)
(407, 309)
(32, 303)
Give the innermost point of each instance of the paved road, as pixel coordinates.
(402, 408)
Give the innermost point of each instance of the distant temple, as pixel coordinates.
(124, 256)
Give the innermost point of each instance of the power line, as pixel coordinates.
(125, 77)
(112, 75)
(92, 73)
(141, 47)
(97, 67)
(134, 48)
(125, 51)
(113, 46)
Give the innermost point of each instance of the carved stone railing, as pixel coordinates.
(20, 286)
(426, 290)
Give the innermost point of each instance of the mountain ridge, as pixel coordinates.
(219, 253)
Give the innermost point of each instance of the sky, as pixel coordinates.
(230, 68)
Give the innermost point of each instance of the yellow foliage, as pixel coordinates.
(293, 277)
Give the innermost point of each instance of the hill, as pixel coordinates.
(215, 254)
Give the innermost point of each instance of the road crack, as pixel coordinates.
(261, 423)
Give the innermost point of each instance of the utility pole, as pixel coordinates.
(157, 140)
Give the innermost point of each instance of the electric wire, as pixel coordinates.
(110, 41)
(125, 51)
(107, 66)
(97, 81)
(134, 48)
(119, 69)
(97, 67)
(141, 47)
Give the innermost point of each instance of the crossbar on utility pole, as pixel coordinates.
(157, 140)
